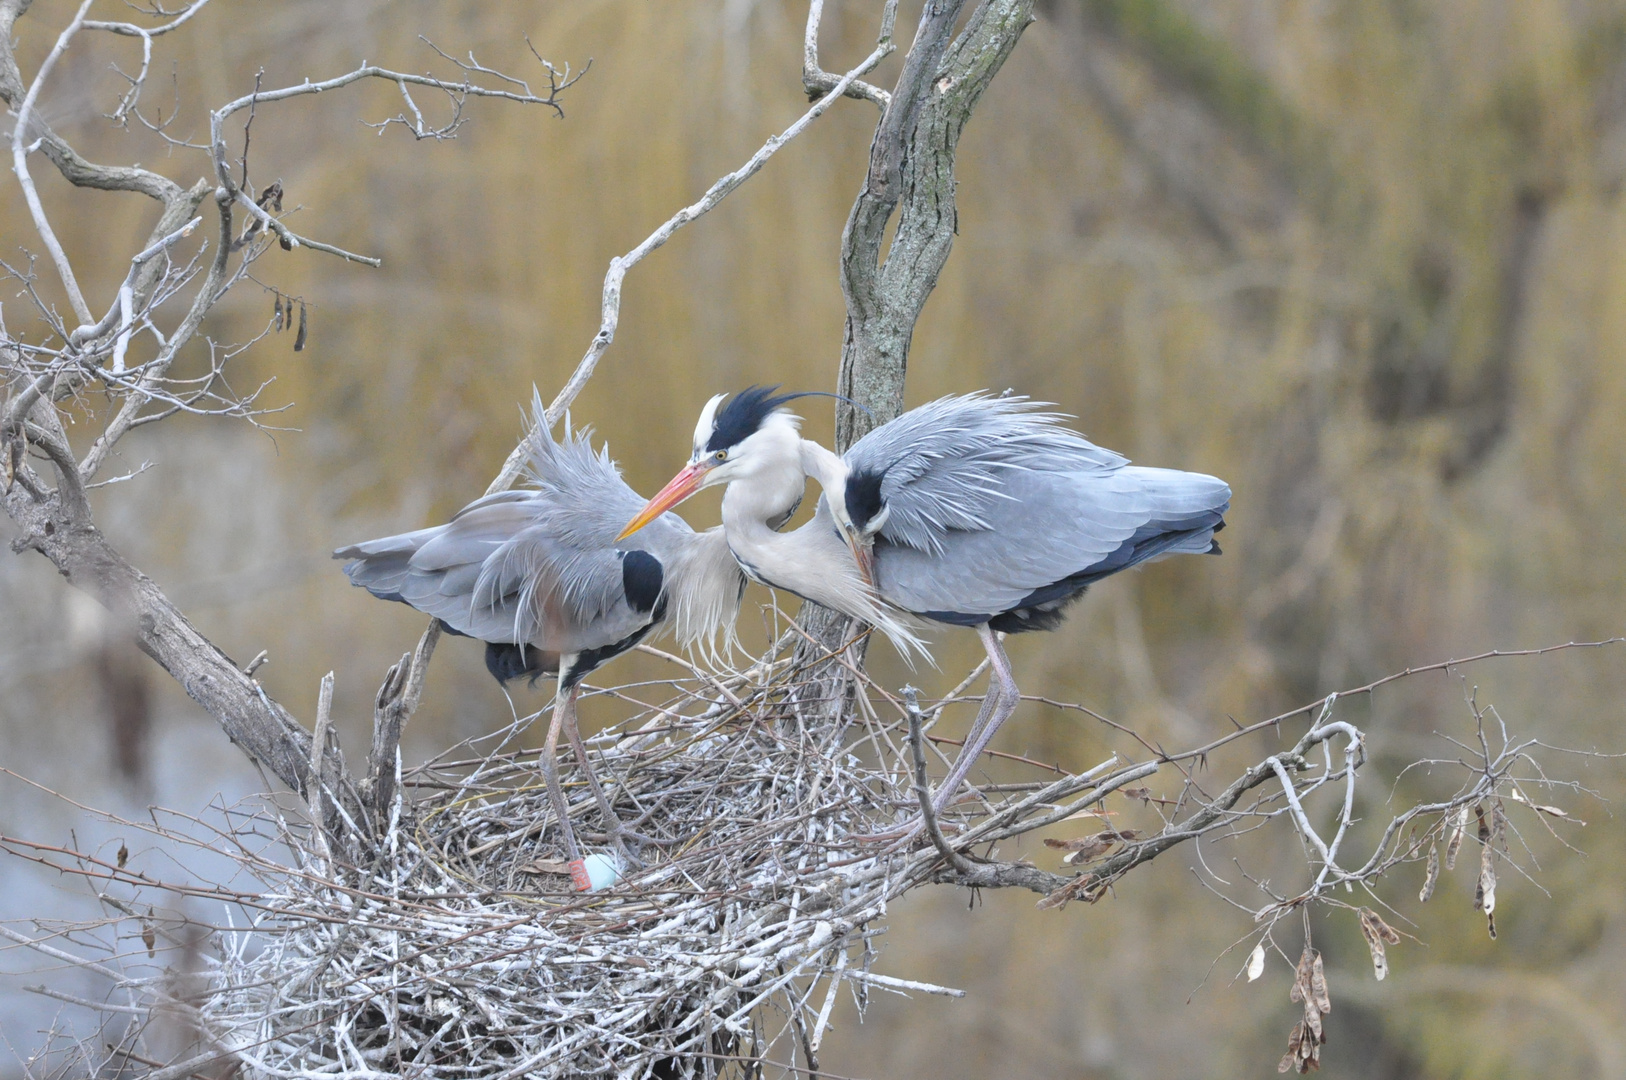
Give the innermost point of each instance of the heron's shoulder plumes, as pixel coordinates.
(705, 586)
(941, 467)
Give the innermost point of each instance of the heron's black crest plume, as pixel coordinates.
(741, 415)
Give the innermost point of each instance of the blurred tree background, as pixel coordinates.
(1358, 257)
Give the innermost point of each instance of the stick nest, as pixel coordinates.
(462, 950)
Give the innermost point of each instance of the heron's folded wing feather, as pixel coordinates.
(1060, 526)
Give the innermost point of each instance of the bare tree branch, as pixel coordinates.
(610, 304)
(58, 523)
(397, 701)
(19, 165)
(911, 172)
(816, 81)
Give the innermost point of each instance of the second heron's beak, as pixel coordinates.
(863, 553)
(682, 485)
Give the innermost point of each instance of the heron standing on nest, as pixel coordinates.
(974, 511)
(538, 575)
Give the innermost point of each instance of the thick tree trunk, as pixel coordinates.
(911, 173)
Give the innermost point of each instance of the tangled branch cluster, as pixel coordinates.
(453, 945)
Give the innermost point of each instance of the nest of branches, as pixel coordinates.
(461, 949)
(778, 806)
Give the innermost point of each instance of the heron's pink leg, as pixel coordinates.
(550, 771)
(997, 707)
(612, 822)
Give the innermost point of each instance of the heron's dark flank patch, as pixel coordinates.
(863, 497)
(590, 659)
(641, 579)
(1042, 616)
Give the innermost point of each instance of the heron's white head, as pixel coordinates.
(748, 436)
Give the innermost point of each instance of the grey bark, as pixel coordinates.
(58, 526)
(911, 174)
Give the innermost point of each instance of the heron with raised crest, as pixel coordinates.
(539, 575)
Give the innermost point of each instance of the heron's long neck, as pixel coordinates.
(704, 584)
(785, 560)
(824, 466)
(812, 561)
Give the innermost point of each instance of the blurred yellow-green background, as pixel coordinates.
(1365, 259)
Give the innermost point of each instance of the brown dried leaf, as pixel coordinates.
(1459, 823)
(299, 338)
(1318, 986)
(1301, 976)
(1084, 848)
(1295, 1041)
(276, 313)
(1390, 934)
(1303, 1051)
(1061, 896)
(1376, 932)
(1432, 876)
(1485, 890)
(149, 939)
(124, 855)
(1141, 793)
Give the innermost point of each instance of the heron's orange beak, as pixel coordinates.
(683, 485)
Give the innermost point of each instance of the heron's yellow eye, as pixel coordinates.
(722, 455)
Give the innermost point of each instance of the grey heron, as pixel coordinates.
(538, 576)
(973, 510)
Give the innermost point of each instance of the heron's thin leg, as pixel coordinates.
(997, 705)
(612, 822)
(1003, 693)
(550, 766)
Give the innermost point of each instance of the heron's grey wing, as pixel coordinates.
(536, 566)
(435, 569)
(562, 579)
(1062, 531)
(944, 467)
(380, 566)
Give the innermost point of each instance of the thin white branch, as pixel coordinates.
(119, 314)
(905, 984)
(131, 30)
(126, 303)
(1299, 817)
(19, 165)
(610, 305)
(816, 80)
(295, 240)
